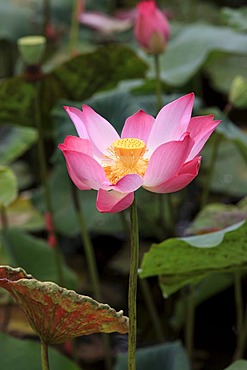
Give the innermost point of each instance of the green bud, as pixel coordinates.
(31, 48)
(238, 92)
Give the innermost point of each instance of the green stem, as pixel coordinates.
(190, 322)
(241, 345)
(134, 261)
(92, 267)
(44, 356)
(147, 294)
(46, 14)
(239, 315)
(43, 175)
(87, 245)
(212, 163)
(74, 29)
(158, 82)
(152, 310)
(4, 218)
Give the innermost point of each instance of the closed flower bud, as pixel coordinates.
(151, 27)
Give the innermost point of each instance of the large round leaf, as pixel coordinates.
(180, 261)
(26, 354)
(57, 314)
(14, 141)
(187, 52)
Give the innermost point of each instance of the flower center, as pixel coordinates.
(125, 157)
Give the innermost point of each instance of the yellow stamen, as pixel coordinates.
(125, 157)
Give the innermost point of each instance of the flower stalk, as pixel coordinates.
(158, 82)
(44, 356)
(134, 261)
(74, 28)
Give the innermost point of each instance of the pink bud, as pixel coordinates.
(151, 27)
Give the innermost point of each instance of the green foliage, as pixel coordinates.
(14, 141)
(238, 365)
(235, 18)
(65, 218)
(8, 186)
(189, 50)
(77, 79)
(26, 353)
(34, 255)
(169, 356)
(180, 261)
(223, 68)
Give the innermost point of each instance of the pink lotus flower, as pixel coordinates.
(161, 155)
(151, 27)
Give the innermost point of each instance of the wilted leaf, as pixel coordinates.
(178, 262)
(58, 314)
(77, 79)
(8, 186)
(14, 140)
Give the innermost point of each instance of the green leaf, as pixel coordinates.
(57, 314)
(26, 353)
(188, 51)
(169, 356)
(223, 68)
(14, 141)
(178, 262)
(230, 132)
(77, 79)
(34, 255)
(21, 20)
(238, 365)
(230, 174)
(8, 186)
(235, 18)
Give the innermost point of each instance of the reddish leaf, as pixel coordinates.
(58, 314)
